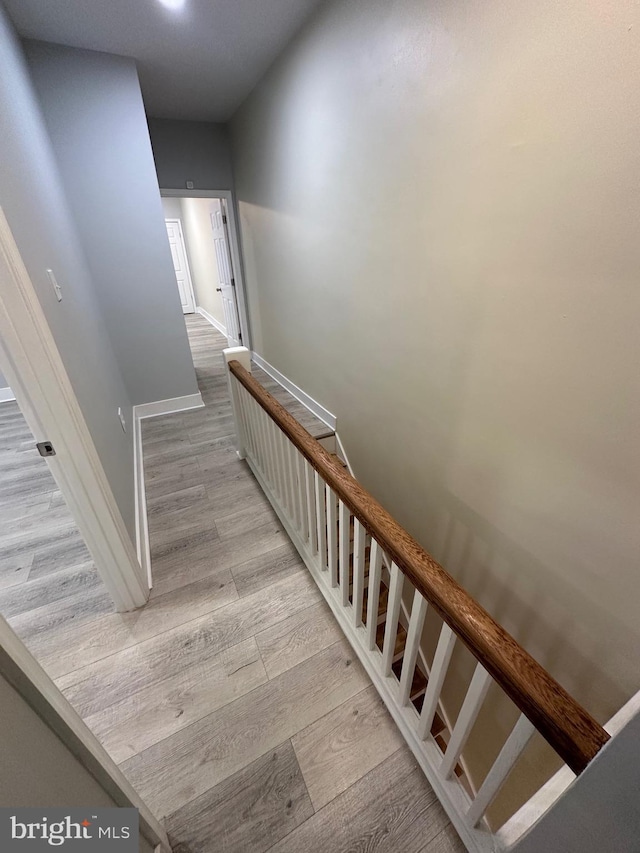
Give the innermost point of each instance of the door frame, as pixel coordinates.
(186, 261)
(234, 249)
(23, 672)
(38, 378)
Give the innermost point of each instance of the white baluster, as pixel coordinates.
(441, 659)
(293, 482)
(512, 750)
(311, 506)
(271, 462)
(373, 594)
(284, 442)
(239, 409)
(277, 461)
(332, 536)
(466, 718)
(321, 520)
(302, 495)
(393, 612)
(358, 572)
(345, 535)
(247, 401)
(263, 461)
(414, 636)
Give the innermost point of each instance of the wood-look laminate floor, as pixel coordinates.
(232, 701)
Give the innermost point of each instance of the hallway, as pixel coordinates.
(232, 701)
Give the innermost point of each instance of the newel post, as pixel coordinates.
(243, 355)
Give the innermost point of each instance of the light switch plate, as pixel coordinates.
(56, 286)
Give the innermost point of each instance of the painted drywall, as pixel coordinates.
(196, 227)
(95, 118)
(600, 810)
(37, 769)
(438, 209)
(196, 151)
(33, 200)
(172, 208)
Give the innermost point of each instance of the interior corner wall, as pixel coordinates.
(439, 215)
(33, 200)
(196, 151)
(94, 114)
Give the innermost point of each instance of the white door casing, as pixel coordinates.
(34, 368)
(181, 265)
(225, 273)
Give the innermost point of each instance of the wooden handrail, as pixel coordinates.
(567, 727)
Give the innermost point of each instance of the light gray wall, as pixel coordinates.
(440, 242)
(37, 768)
(599, 812)
(195, 151)
(172, 208)
(95, 117)
(3, 381)
(34, 203)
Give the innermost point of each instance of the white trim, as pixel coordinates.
(24, 673)
(6, 395)
(301, 396)
(236, 260)
(143, 547)
(452, 796)
(192, 304)
(151, 410)
(168, 407)
(342, 454)
(37, 375)
(211, 319)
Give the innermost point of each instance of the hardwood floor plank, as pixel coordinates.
(250, 811)
(73, 646)
(184, 766)
(343, 746)
(111, 679)
(46, 590)
(297, 638)
(391, 810)
(264, 569)
(163, 708)
(187, 560)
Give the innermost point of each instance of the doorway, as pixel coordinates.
(205, 223)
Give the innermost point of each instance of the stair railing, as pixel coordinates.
(343, 534)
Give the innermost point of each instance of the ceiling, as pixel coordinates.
(198, 62)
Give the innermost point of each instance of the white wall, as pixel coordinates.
(439, 213)
(196, 226)
(599, 812)
(95, 117)
(172, 208)
(33, 200)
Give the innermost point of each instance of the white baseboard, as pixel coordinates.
(6, 395)
(316, 408)
(168, 407)
(151, 410)
(211, 319)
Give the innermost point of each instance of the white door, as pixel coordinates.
(225, 274)
(180, 265)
